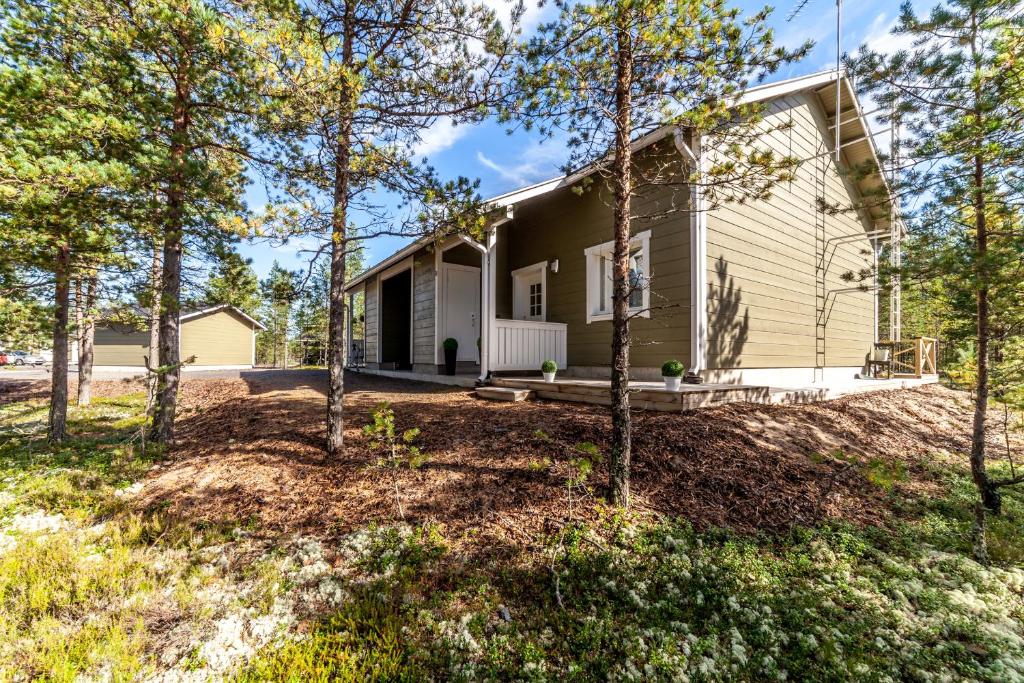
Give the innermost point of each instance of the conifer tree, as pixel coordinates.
(65, 148)
(606, 74)
(362, 83)
(956, 96)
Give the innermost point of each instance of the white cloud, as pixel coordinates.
(299, 244)
(535, 163)
(880, 38)
(533, 12)
(440, 136)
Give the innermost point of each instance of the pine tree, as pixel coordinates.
(231, 281)
(65, 144)
(363, 81)
(279, 291)
(608, 73)
(197, 85)
(956, 97)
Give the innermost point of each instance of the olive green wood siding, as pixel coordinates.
(218, 338)
(762, 258)
(371, 318)
(463, 255)
(121, 345)
(562, 226)
(423, 351)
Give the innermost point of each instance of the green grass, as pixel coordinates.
(73, 598)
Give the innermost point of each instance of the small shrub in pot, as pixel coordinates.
(451, 352)
(549, 368)
(671, 373)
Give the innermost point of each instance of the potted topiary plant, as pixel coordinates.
(672, 373)
(549, 368)
(451, 353)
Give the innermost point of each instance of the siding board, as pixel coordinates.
(561, 226)
(763, 256)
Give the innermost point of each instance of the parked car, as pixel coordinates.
(3, 358)
(25, 358)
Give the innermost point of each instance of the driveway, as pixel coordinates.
(22, 373)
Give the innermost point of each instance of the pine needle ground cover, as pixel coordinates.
(118, 563)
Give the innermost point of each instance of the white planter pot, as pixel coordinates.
(549, 377)
(672, 383)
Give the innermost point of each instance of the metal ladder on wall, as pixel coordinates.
(821, 293)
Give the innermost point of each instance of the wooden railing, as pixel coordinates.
(912, 357)
(525, 344)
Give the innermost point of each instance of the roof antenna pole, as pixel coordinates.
(839, 61)
(839, 64)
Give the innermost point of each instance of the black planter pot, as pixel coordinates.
(449, 361)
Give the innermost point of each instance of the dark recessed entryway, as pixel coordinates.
(396, 321)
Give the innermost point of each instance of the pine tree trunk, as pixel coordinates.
(621, 449)
(170, 290)
(989, 494)
(58, 420)
(155, 277)
(339, 247)
(86, 339)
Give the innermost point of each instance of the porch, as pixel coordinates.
(654, 395)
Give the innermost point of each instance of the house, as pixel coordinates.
(747, 293)
(220, 337)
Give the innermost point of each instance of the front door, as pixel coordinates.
(528, 295)
(461, 297)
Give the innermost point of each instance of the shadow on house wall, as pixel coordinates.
(728, 328)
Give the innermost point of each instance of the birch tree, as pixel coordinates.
(605, 74)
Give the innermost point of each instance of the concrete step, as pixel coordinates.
(504, 394)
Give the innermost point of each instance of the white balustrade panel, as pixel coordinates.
(525, 344)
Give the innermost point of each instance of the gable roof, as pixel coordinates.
(856, 142)
(221, 307)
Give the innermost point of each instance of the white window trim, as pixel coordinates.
(592, 256)
(542, 267)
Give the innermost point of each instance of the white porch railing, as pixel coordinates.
(525, 344)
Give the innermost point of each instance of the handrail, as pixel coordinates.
(912, 357)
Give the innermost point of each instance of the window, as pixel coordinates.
(536, 300)
(599, 278)
(528, 292)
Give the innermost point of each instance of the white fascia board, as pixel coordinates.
(388, 262)
(770, 91)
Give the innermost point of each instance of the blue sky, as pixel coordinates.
(503, 162)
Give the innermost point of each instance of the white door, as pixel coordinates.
(529, 300)
(461, 287)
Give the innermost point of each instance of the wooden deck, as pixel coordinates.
(643, 395)
(654, 396)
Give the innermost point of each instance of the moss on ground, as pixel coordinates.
(92, 586)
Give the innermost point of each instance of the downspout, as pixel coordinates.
(698, 257)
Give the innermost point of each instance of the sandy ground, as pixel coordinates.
(251, 449)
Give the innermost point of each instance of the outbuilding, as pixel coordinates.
(220, 337)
